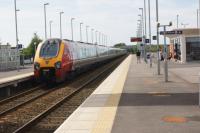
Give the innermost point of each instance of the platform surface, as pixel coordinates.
(149, 105)
(9, 76)
(133, 99)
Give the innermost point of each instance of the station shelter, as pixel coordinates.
(185, 47)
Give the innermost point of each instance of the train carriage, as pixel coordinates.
(56, 58)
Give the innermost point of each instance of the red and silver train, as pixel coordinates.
(56, 58)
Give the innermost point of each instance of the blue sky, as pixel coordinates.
(115, 18)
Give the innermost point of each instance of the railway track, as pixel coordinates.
(24, 117)
(21, 99)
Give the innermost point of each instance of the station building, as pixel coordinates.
(185, 47)
(9, 58)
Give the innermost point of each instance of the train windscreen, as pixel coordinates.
(50, 49)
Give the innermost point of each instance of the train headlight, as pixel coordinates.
(58, 65)
(36, 66)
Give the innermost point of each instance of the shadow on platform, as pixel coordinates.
(145, 99)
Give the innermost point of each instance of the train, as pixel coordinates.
(56, 58)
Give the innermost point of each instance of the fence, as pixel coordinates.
(9, 59)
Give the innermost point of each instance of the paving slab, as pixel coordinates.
(14, 77)
(24, 70)
(149, 105)
(190, 74)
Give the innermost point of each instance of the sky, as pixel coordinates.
(115, 18)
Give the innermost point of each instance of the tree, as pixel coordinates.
(134, 49)
(120, 45)
(30, 50)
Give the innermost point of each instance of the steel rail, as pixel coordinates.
(36, 119)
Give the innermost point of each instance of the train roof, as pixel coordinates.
(85, 43)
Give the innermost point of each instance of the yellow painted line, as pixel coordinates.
(106, 118)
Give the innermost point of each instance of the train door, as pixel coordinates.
(67, 59)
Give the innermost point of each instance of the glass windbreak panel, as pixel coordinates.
(50, 49)
(177, 49)
(193, 48)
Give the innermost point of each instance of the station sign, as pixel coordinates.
(177, 32)
(147, 40)
(154, 37)
(19, 46)
(136, 39)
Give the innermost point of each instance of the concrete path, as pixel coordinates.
(25, 70)
(149, 105)
(190, 74)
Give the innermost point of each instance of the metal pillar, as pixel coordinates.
(197, 18)
(96, 37)
(145, 30)
(17, 38)
(165, 56)
(81, 32)
(158, 39)
(45, 19)
(72, 28)
(50, 23)
(87, 33)
(177, 21)
(199, 12)
(61, 24)
(149, 5)
(92, 36)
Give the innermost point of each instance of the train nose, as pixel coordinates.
(47, 74)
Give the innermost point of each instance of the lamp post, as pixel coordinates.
(106, 44)
(92, 36)
(16, 29)
(45, 19)
(197, 18)
(199, 12)
(81, 31)
(139, 28)
(61, 24)
(87, 32)
(145, 28)
(72, 28)
(96, 43)
(158, 38)
(139, 31)
(149, 5)
(102, 38)
(143, 32)
(50, 23)
(165, 50)
(106, 36)
(177, 17)
(96, 36)
(99, 38)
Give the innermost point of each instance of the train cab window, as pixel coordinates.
(50, 49)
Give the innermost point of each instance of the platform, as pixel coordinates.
(14, 76)
(133, 99)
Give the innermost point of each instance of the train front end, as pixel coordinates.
(48, 61)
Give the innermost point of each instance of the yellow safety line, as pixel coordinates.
(107, 116)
